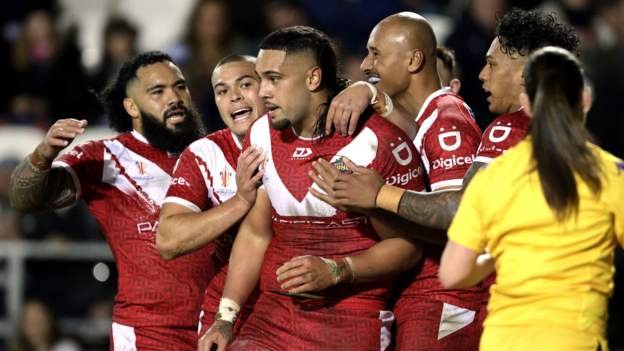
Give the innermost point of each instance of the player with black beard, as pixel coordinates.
(123, 181)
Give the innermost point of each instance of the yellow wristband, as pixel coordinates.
(389, 197)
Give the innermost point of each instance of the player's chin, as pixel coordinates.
(280, 123)
(240, 129)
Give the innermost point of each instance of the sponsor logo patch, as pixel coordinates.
(302, 152)
(448, 163)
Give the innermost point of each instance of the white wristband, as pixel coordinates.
(373, 91)
(389, 105)
(228, 310)
(333, 269)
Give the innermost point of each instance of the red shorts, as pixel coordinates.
(124, 337)
(430, 325)
(212, 296)
(285, 323)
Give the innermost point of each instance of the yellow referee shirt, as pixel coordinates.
(549, 274)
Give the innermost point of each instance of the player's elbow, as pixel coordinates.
(450, 279)
(165, 244)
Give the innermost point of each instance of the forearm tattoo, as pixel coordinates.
(33, 189)
(433, 210)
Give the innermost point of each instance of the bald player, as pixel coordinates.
(518, 34)
(401, 62)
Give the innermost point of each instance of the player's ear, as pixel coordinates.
(455, 85)
(587, 99)
(131, 108)
(314, 77)
(416, 61)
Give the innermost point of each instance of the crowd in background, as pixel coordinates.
(57, 56)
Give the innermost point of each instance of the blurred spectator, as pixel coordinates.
(284, 13)
(208, 38)
(347, 21)
(38, 330)
(604, 66)
(8, 216)
(351, 67)
(578, 13)
(470, 40)
(71, 223)
(48, 79)
(120, 43)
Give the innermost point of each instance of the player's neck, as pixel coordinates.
(413, 98)
(306, 127)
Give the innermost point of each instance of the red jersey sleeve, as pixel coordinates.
(188, 183)
(449, 146)
(397, 160)
(85, 164)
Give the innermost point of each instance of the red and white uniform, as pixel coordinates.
(348, 317)
(123, 181)
(430, 317)
(204, 178)
(503, 133)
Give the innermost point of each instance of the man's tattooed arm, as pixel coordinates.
(435, 210)
(33, 188)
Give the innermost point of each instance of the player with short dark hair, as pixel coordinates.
(213, 185)
(289, 236)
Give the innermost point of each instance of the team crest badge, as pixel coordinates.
(225, 177)
(341, 166)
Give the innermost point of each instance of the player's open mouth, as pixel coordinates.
(176, 116)
(270, 107)
(374, 79)
(241, 114)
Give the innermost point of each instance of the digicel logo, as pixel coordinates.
(448, 163)
(404, 178)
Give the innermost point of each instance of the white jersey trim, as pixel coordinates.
(434, 95)
(235, 138)
(418, 140)
(484, 159)
(182, 202)
(447, 183)
(362, 150)
(140, 137)
(70, 170)
(385, 335)
(124, 338)
(454, 318)
(199, 324)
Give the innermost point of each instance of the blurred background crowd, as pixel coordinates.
(57, 56)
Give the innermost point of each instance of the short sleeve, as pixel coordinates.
(449, 147)
(498, 138)
(85, 164)
(188, 185)
(467, 228)
(397, 160)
